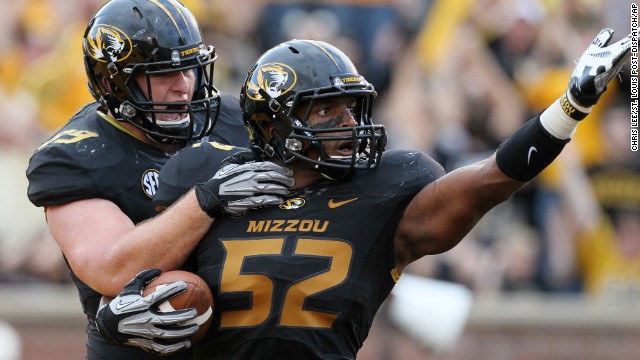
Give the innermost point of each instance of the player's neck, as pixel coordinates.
(142, 136)
(138, 133)
(305, 177)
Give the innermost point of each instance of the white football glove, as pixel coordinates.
(130, 319)
(242, 183)
(596, 67)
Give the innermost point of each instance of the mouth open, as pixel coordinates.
(344, 148)
(172, 118)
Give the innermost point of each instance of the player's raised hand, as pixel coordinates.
(596, 67)
(131, 319)
(243, 183)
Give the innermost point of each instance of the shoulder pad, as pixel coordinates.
(400, 172)
(190, 166)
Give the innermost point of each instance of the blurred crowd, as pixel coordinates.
(454, 79)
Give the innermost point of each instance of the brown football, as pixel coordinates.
(196, 296)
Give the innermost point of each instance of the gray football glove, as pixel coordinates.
(242, 184)
(130, 319)
(597, 66)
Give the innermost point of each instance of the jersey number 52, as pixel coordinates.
(261, 286)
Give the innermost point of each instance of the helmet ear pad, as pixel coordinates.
(105, 83)
(270, 130)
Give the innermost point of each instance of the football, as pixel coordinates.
(196, 296)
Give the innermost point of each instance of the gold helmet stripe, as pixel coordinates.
(324, 50)
(158, 4)
(182, 16)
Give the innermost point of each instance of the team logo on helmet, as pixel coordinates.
(108, 41)
(292, 204)
(150, 182)
(274, 78)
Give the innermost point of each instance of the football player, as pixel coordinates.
(304, 280)
(151, 75)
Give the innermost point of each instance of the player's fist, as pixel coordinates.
(131, 319)
(596, 67)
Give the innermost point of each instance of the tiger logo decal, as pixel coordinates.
(274, 78)
(108, 41)
(292, 204)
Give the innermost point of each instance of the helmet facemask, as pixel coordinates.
(295, 139)
(146, 113)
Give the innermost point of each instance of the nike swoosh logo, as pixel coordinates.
(120, 305)
(531, 150)
(224, 171)
(335, 204)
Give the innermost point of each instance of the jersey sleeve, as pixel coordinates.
(189, 167)
(79, 164)
(428, 169)
(414, 170)
(401, 173)
(56, 178)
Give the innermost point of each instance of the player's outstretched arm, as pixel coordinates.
(444, 211)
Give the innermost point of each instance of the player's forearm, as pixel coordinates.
(163, 242)
(166, 241)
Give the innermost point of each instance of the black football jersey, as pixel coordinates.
(193, 165)
(304, 280)
(93, 156)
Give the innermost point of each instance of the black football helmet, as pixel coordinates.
(299, 73)
(151, 37)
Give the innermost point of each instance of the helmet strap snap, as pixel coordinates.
(127, 110)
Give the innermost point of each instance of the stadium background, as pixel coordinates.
(454, 78)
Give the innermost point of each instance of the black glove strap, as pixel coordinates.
(569, 109)
(208, 201)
